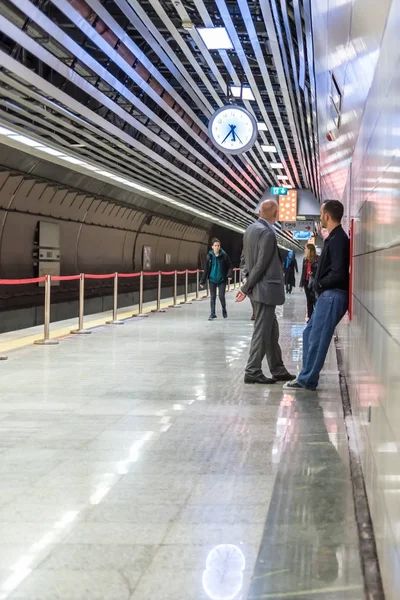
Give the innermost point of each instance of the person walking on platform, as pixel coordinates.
(218, 270)
(265, 285)
(290, 268)
(310, 264)
(332, 288)
(245, 275)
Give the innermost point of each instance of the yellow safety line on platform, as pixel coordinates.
(9, 345)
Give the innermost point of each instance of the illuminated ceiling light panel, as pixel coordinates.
(24, 140)
(247, 94)
(266, 148)
(282, 177)
(73, 160)
(262, 126)
(276, 165)
(4, 131)
(49, 150)
(215, 38)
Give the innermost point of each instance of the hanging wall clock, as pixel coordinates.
(233, 129)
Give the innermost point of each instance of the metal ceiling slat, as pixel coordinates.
(90, 32)
(27, 42)
(138, 17)
(181, 10)
(83, 135)
(270, 26)
(247, 18)
(310, 64)
(149, 32)
(54, 92)
(304, 145)
(227, 19)
(47, 25)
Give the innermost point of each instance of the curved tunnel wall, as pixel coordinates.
(96, 234)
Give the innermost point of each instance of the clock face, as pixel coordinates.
(233, 129)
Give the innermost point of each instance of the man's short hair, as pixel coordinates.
(335, 209)
(215, 241)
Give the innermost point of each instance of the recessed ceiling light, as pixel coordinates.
(245, 92)
(282, 177)
(276, 165)
(266, 148)
(262, 126)
(215, 38)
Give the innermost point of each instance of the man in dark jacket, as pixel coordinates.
(218, 270)
(332, 288)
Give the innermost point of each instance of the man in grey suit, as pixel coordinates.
(266, 286)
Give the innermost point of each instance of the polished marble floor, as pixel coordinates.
(135, 465)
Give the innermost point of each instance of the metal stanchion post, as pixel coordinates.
(175, 299)
(141, 293)
(80, 329)
(186, 300)
(159, 309)
(198, 285)
(114, 320)
(46, 341)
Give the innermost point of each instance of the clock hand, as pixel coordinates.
(232, 127)
(234, 134)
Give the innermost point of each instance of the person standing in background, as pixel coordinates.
(290, 268)
(309, 270)
(218, 270)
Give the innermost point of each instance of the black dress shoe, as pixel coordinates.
(287, 377)
(258, 379)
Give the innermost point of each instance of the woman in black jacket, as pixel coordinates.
(310, 264)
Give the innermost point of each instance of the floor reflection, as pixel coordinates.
(309, 542)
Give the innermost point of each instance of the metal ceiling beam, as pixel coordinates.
(53, 92)
(270, 26)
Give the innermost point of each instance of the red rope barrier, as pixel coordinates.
(181, 272)
(167, 272)
(192, 272)
(128, 275)
(151, 273)
(22, 281)
(65, 277)
(108, 276)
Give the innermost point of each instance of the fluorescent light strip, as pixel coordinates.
(282, 177)
(262, 126)
(215, 38)
(72, 159)
(276, 165)
(266, 148)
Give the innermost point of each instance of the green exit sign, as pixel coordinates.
(279, 191)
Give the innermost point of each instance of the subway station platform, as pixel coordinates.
(136, 465)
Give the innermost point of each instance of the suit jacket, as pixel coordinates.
(264, 265)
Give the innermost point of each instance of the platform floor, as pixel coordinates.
(136, 465)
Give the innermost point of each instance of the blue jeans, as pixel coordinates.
(329, 310)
